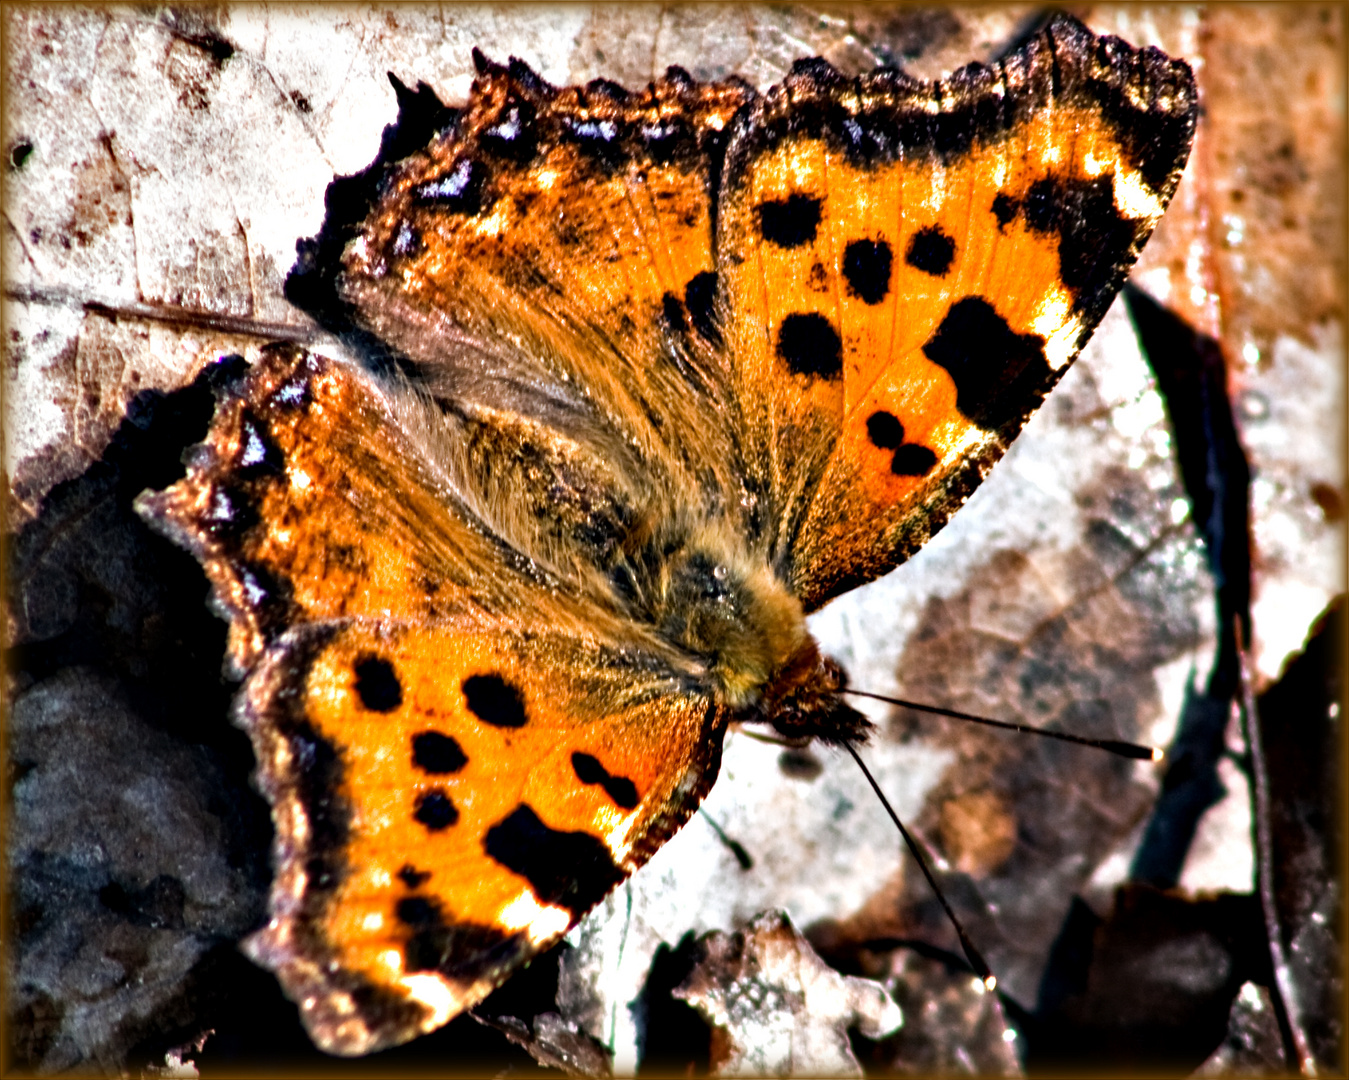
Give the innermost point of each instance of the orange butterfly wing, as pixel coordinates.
(449, 801)
(288, 507)
(459, 763)
(560, 237)
(911, 267)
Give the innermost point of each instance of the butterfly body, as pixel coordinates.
(647, 378)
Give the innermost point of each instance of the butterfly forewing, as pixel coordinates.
(912, 267)
(577, 225)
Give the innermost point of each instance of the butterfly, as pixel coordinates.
(646, 378)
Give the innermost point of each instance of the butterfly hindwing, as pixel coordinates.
(460, 761)
(450, 799)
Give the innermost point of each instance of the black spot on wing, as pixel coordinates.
(443, 943)
(1005, 208)
(912, 460)
(417, 910)
(999, 374)
(884, 430)
(619, 788)
(789, 222)
(413, 878)
(866, 267)
(377, 684)
(436, 752)
(673, 311)
(494, 701)
(931, 251)
(699, 298)
(570, 869)
(809, 345)
(1096, 243)
(435, 810)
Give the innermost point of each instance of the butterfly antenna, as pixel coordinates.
(973, 955)
(1114, 746)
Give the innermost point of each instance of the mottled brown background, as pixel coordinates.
(159, 166)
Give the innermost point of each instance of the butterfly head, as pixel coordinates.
(805, 700)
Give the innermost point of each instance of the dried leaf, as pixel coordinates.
(777, 1008)
(1252, 1046)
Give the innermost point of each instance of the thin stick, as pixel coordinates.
(972, 954)
(1129, 750)
(1264, 867)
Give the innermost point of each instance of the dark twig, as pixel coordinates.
(1296, 1046)
(243, 326)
